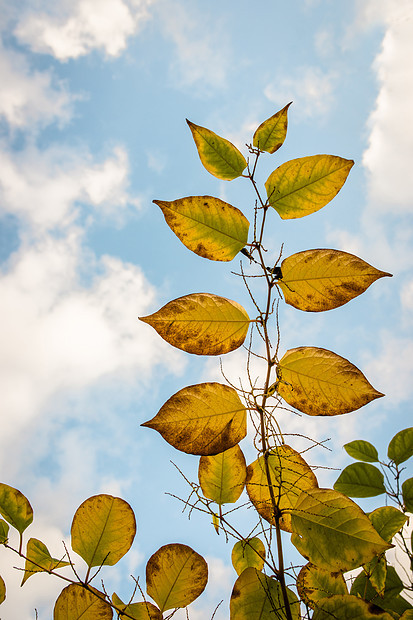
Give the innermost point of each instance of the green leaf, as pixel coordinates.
(201, 323)
(15, 508)
(305, 185)
(332, 532)
(401, 446)
(4, 532)
(138, 611)
(360, 480)
(362, 451)
(390, 600)
(256, 596)
(387, 521)
(376, 571)
(347, 607)
(319, 382)
(271, 134)
(219, 156)
(407, 491)
(248, 553)
(175, 576)
(202, 419)
(323, 279)
(207, 226)
(78, 603)
(38, 559)
(103, 530)
(2, 590)
(222, 476)
(315, 584)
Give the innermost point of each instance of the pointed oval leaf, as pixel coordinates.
(290, 475)
(4, 532)
(222, 476)
(218, 155)
(360, 480)
(390, 600)
(2, 590)
(319, 382)
(401, 446)
(271, 134)
(348, 607)
(38, 559)
(305, 185)
(138, 611)
(78, 603)
(15, 508)
(323, 279)
(387, 521)
(103, 530)
(207, 226)
(315, 584)
(203, 419)
(362, 451)
(201, 323)
(376, 570)
(332, 532)
(256, 596)
(407, 491)
(248, 553)
(175, 576)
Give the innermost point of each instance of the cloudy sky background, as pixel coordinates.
(92, 128)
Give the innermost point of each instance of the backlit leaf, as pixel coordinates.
(323, 279)
(315, 584)
(305, 185)
(38, 559)
(290, 475)
(332, 532)
(201, 323)
(360, 480)
(248, 553)
(175, 576)
(4, 532)
(78, 603)
(15, 508)
(206, 225)
(319, 382)
(138, 611)
(391, 600)
(270, 135)
(362, 451)
(2, 590)
(256, 596)
(222, 476)
(202, 419)
(103, 530)
(219, 156)
(407, 491)
(347, 607)
(387, 521)
(401, 446)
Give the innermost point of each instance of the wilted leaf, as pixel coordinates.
(347, 607)
(270, 135)
(407, 491)
(360, 480)
(38, 559)
(323, 279)
(315, 584)
(202, 419)
(222, 476)
(290, 475)
(219, 156)
(138, 611)
(206, 225)
(362, 451)
(319, 382)
(390, 600)
(175, 576)
(2, 590)
(387, 521)
(103, 530)
(305, 185)
(248, 553)
(332, 532)
(4, 532)
(15, 508)
(256, 596)
(201, 323)
(78, 603)
(401, 446)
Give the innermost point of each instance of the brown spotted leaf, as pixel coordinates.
(315, 584)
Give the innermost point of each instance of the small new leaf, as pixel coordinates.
(15, 508)
(38, 559)
(360, 480)
(222, 476)
(78, 603)
(271, 134)
(248, 553)
(362, 451)
(401, 446)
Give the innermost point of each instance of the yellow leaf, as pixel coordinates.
(201, 323)
(206, 225)
(202, 419)
(2, 590)
(138, 611)
(290, 475)
(175, 576)
(38, 559)
(315, 584)
(332, 532)
(305, 185)
(219, 156)
(320, 382)
(323, 279)
(103, 530)
(222, 476)
(15, 508)
(270, 135)
(348, 607)
(248, 553)
(76, 602)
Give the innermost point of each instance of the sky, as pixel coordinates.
(92, 128)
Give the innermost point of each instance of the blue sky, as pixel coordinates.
(92, 128)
